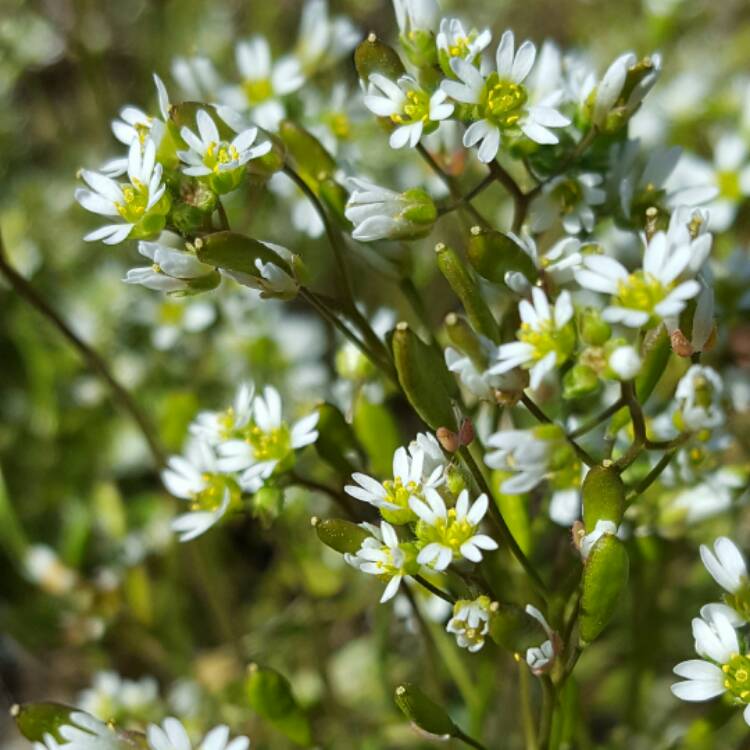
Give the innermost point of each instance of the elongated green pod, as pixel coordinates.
(310, 158)
(374, 56)
(270, 696)
(603, 495)
(605, 576)
(424, 712)
(466, 288)
(340, 535)
(424, 378)
(463, 336)
(337, 442)
(493, 254)
(236, 252)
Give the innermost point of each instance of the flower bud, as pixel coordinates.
(340, 535)
(417, 21)
(373, 56)
(424, 378)
(625, 362)
(466, 288)
(424, 712)
(605, 575)
(381, 214)
(603, 495)
(581, 380)
(594, 331)
(270, 695)
(494, 254)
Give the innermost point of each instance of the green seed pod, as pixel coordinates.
(603, 494)
(465, 339)
(493, 254)
(466, 288)
(513, 628)
(337, 443)
(236, 252)
(579, 381)
(424, 712)
(34, 720)
(373, 56)
(594, 331)
(311, 160)
(424, 377)
(605, 576)
(270, 696)
(340, 535)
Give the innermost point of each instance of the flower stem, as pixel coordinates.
(527, 719)
(597, 420)
(422, 581)
(92, 358)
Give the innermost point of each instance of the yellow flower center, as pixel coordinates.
(416, 108)
(737, 677)
(545, 338)
(134, 201)
(640, 291)
(267, 446)
(448, 532)
(504, 101)
(258, 90)
(212, 495)
(729, 185)
(218, 154)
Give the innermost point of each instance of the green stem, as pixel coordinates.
(434, 589)
(639, 426)
(652, 476)
(502, 527)
(597, 420)
(548, 710)
(527, 718)
(520, 199)
(92, 358)
(461, 735)
(339, 498)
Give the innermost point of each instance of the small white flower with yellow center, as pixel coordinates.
(453, 41)
(173, 270)
(727, 567)
(393, 496)
(384, 556)
(219, 426)
(267, 443)
(220, 161)
(414, 111)
(141, 204)
(471, 622)
(134, 123)
(444, 535)
(264, 82)
(546, 337)
(647, 295)
(502, 100)
(699, 394)
(196, 477)
(171, 735)
(722, 668)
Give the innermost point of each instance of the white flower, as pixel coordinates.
(558, 262)
(725, 564)
(264, 82)
(112, 697)
(722, 668)
(197, 77)
(266, 441)
(412, 109)
(87, 733)
(416, 15)
(453, 41)
(545, 338)
(209, 155)
(137, 203)
(43, 566)
(568, 198)
(272, 281)
(502, 100)
(471, 622)
(378, 213)
(322, 40)
(195, 477)
(171, 735)
(521, 452)
(392, 497)
(625, 362)
(444, 535)
(172, 270)
(699, 395)
(602, 528)
(540, 658)
(382, 555)
(217, 426)
(433, 456)
(648, 294)
(135, 124)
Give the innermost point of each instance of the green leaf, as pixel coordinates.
(271, 697)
